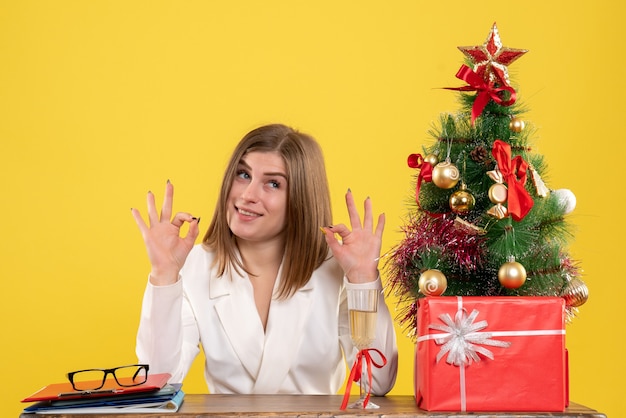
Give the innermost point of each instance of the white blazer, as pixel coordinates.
(301, 350)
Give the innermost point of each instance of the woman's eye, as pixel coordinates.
(243, 174)
(274, 184)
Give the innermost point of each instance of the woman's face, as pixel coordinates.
(257, 202)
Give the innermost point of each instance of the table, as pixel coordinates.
(322, 406)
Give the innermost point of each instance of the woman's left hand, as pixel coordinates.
(357, 250)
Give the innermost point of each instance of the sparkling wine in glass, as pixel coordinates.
(362, 327)
(363, 308)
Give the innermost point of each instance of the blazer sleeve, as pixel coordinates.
(167, 338)
(383, 378)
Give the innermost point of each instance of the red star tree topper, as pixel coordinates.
(491, 58)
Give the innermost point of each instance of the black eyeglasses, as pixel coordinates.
(94, 379)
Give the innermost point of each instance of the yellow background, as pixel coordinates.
(101, 101)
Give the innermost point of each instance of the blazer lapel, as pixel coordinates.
(239, 318)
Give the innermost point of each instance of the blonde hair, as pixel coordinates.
(308, 205)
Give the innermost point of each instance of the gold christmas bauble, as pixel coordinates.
(512, 275)
(461, 202)
(575, 293)
(498, 193)
(516, 125)
(445, 175)
(431, 159)
(432, 282)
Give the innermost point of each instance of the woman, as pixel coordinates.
(263, 294)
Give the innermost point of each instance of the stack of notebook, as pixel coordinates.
(155, 395)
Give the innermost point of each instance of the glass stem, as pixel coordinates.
(363, 382)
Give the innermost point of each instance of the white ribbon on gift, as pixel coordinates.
(462, 339)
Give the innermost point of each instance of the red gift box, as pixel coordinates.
(491, 354)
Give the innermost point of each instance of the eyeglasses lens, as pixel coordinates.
(88, 379)
(131, 375)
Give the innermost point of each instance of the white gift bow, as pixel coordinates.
(462, 340)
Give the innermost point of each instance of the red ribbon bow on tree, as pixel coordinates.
(356, 374)
(486, 91)
(426, 171)
(514, 173)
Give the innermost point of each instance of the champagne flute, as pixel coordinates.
(363, 308)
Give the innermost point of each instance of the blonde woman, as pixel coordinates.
(265, 291)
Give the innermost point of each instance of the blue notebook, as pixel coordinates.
(168, 399)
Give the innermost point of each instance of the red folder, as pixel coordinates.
(65, 391)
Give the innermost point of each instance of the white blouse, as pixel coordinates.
(301, 351)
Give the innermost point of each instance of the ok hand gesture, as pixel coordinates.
(167, 250)
(358, 251)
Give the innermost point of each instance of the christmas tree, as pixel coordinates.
(483, 222)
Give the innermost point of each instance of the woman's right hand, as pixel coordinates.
(167, 250)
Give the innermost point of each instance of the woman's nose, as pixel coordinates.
(250, 192)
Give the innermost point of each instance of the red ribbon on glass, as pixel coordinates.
(426, 171)
(357, 373)
(486, 91)
(514, 173)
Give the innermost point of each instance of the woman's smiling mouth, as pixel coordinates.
(246, 212)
